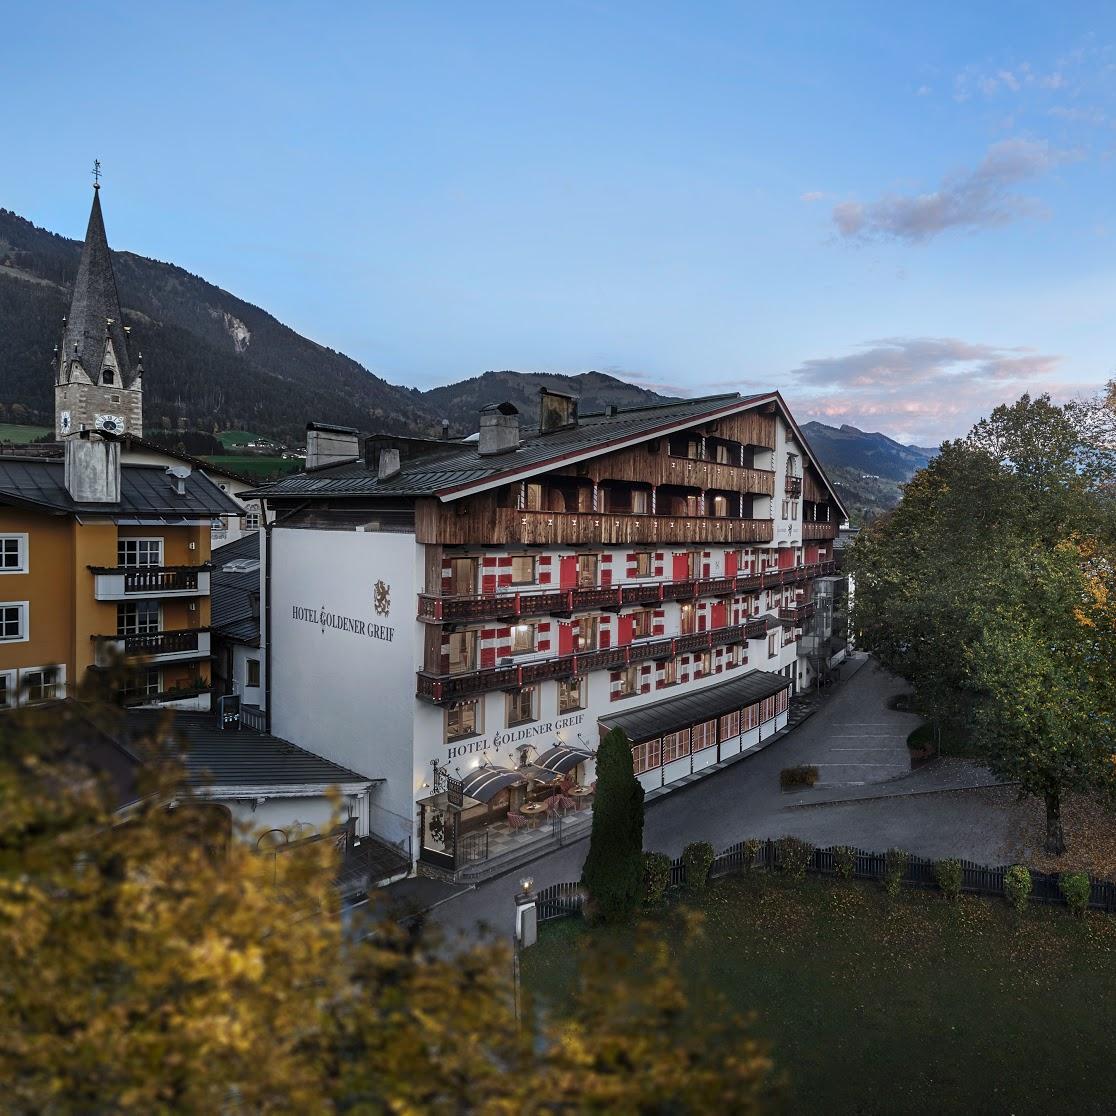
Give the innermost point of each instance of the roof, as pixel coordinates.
(94, 305)
(695, 706)
(230, 762)
(461, 470)
(145, 492)
(232, 585)
(130, 440)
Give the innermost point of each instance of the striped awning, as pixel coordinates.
(484, 783)
(560, 759)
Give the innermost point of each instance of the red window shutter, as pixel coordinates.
(487, 658)
(565, 639)
(681, 568)
(488, 583)
(811, 554)
(730, 563)
(606, 578)
(624, 631)
(720, 615)
(567, 571)
(786, 558)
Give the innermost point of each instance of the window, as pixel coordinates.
(252, 521)
(522, 569)
(646, 756)
(463, 576)
(462, 651)
(641, 623)
(693, 564)
(586, 570)
(730, 726)
(750, 717)
(704, 664)
(719, 507)
(535, 500)
(143, 684)
(251, 672)
(773, 645)
(705, 735)
(13, 622)
(139, 552)
(137, 618)
(571, 694)
(9, 688)
(585, 637)
(641, 563)
(676, 745)
(463, 719)
(641, 501)
(669, 673)
(629, 681)
(108, 378)
(521, 706)
(522, 639)
(13, 554)
(42, 683)
(687, 621)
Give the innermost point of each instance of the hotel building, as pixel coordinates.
(461, 620)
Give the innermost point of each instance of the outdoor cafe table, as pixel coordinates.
(579, 793)
(533, 811)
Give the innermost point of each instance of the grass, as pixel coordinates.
(13, 432)
(950, 744)
(909, 1006)
(230, 439)
(257, 465)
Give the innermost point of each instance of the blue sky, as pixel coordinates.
(898, 215)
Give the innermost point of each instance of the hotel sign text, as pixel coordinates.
(325, 619)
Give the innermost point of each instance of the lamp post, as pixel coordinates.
(526, 933)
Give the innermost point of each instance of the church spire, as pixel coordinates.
(95, 337)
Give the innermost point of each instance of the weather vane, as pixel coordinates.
(96, 174)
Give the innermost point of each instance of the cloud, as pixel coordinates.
(993, 82)
(981, 198)
(812, 196)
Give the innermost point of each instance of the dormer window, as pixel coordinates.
(107, 377)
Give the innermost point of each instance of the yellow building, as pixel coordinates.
(99, 560)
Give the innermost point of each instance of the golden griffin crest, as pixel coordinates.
(382, 598)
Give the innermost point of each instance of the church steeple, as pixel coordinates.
(98, 383)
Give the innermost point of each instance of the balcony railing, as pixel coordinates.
(819, 530)
(453, 687)
(793, 486)
(120, 582)
(798, 614)
(185, 643)
(435, 609)
(185, 693)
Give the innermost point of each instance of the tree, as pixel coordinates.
(613, 870)
(155, 965)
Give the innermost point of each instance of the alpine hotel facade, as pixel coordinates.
(462, 619)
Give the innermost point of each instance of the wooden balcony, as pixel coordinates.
(798, 614)
(792, 486)
(458, 610)
(441, 689)
(819, 530)
(488, 526)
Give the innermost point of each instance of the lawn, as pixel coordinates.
(13, 432)
(231, 439)
(258, 466)
(910, 1006)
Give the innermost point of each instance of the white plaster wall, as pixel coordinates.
(249, 695)
(282, 813)
(344, 694)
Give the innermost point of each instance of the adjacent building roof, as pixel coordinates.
(145, 492)
(95, 315)
(695, 706)
(461, 470)
(231, 763)
(234, 591)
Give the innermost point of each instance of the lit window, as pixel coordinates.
(13, 622)
(629, 681)
(139, 552)
(719, 507)
(705, 735)
(571, 694)
(42, 683)
(704, 664)
(586, 570)
(463, 719)
(252, 672)
(669, 673)
(462, 651)
(523, 569)
(13, 554)
(585, 638)
(642, 564)
(646, 756)
(641, 623)
(676, 745)
(521, 706)
(523, 639)
(137, 618)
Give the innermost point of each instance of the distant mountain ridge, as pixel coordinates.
(872, 453)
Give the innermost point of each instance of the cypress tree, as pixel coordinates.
(613, 871)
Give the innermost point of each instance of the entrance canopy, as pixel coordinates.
(561, 759)
(695, 706)
(484, 783)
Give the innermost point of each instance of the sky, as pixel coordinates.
(899, 215)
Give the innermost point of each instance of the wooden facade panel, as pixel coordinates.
(640, 466)
(813, 489)
(480, 522)
(751, 428)
(819, 530)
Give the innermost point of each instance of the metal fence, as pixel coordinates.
(977, 879)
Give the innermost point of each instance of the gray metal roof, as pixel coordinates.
(145, 491)
(233, 613)
(695, 706)
(94, 304)
(463, 465)
(240, 759)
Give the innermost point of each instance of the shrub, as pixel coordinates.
(613, 869)
(895, 866)
(656, 877)
(1017, 886)
(751, 851)
(804, 775)
(793, 856)
(697, 858)
(950, 876)
(1076, 888)
(845, 861)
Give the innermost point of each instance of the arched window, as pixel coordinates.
(107, 377)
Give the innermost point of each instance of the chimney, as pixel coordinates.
(610, 410)
(556, 411)
(178, 475)
(499, 429)
(388, 463)
(445, 430)
(92, 468)
(330, 445)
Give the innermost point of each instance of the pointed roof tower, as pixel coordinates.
(95, 323)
